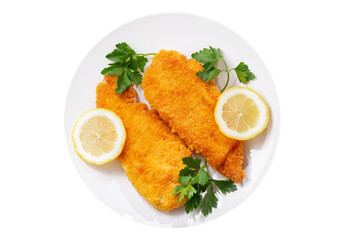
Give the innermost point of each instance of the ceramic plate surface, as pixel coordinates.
(186, 34)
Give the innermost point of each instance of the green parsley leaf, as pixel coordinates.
(192, 203)
(191, 191)
(208, 74)
(123, 82)
(188, 172)
(133, 63)
(184, 179)
(210, 57)
(118, 56)
(141, 62)
(114, 69)
(134, 76)
(243, 73)
(204, 188)
(127, 65)
(178, 189)
(184, 191)
(216, 52)
(225, 186)
(203, 177)
(195, 180)
(192, 163)
(209, 201)
(125, 48)
(207, 55)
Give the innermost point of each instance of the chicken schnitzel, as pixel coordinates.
(152, 154)
(187, 104)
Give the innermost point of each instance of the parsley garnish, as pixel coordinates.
(195, 180)
(127, 65)
(210, 57)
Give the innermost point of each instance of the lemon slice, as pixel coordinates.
(241, 113)
(98, 136)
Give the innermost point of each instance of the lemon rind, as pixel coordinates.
(121, 136)
(234, 134)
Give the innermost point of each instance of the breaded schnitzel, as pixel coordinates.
(187, 104)
(152, 154)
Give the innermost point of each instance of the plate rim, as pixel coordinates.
(174, 14)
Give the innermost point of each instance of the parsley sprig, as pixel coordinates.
(195, 180)
(127, 65)
(210, 57)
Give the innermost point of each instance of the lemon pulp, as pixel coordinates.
(98, 136)
(241, 113)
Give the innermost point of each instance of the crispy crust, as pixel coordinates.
(187, 104)
(152, 155)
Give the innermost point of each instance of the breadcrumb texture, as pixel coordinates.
(187, 104)
(152, 154)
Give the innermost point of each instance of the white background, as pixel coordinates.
(42, 44)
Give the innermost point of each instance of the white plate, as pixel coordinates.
(186, 34)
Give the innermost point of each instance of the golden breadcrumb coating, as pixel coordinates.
(187, 104)
(152, 154)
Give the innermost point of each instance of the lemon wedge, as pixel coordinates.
(98, 136)
(241, 113)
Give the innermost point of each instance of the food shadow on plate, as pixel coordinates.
(144, 209)
(105, 172)
(113, 173)
(140, 95)
(255, 143)
(141, 207)
(147, 212)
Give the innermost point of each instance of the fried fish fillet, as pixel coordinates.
(152, 154)
(187, 104)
